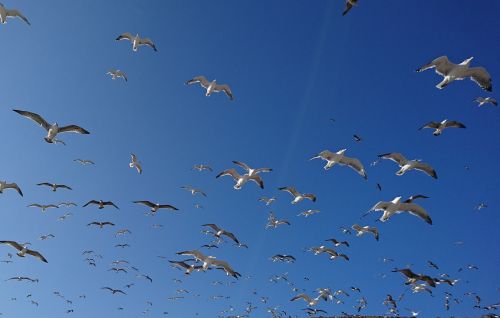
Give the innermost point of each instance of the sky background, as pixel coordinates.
(292, 66)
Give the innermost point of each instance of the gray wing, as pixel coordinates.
(396, 157)
(15, 245)
(224, 88)
(229, 172)
(290, 190)
(242, 164)
(199, 79)
(34, 117)
(15, 187)
(354, 164)
(417, 210)
(37, 255)
(454, 124)
(74, 129)
(16, 13)
(125, 36)
(148, 42)
(431, 124)
(481, 77)
(146, 203)
(426, 168)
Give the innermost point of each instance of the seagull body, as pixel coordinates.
(211, 87)
(135, 163)
(136, 41)
(339, 157)
(101, 204)
(4, 185)
(396, 206)
(156, 206)
(117, 74)
(406, 165)
(452, 72)
(11, 13)
(440, 126)
(52, 130)
(23, 250)
(241, 179)
(54, 186)
(43, 206)
(483, 101)
(298, 196)
(365, 229)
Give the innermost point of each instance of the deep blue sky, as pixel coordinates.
(292, 66)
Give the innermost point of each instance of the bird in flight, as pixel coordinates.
(297, 195)
(84, 162)
(114, 291)
(101, 204)
(54, 186)
(349, 4)
(241, 179)
(135, 163)
(339, 157)
(101, 224)
(219, 232)
(23, 250)
(4, 185)
(440, 126)
(481, 101)
(136, 41)
(396, 206)
(365, 229)
(156, 206)
(52, 130)
(407, 165)
(452, 72)
(11, 13)
(117, 74)
(194, 191)
(43, 206)
(211, 87)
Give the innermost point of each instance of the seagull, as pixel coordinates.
(116, 74)
(452, 72)
(310, 301)
(339, 157)
(122, 232)
(225, 267)
(11, 13)
(201, 167)
(337, 243)
(4, 185)
(348, 6)
(84, 161)
(396, 206)
(54, 186)
(251, 172)
(23, 250)
(122, 245)
(136, 41)
(52, 130)
(43, 206)
(67, 204)
(332, 253)
(308, 212)
(283, 258)
(483, 101)
(218, 232)
(212, 86)
(267, 201)
(21, 278)
(409, 164)
(101, 224)
(63, 217)
(357, 138)
(412, 278)
(101, 204)
(241, 179)
(274, 222)
(135, 164)
(298, 196)
(193, 190)
(481, 206)
(45, 237)
(366, 229)
(156, 206)
(189, 268)
(114, 291)
(440, 126)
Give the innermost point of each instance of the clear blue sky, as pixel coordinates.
(292, 66)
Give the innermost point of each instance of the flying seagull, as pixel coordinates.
(67, 204)
(365, 229)
(337, 243)
(156, 206)
(409, 164)
(308, 213)
(135, 163)
(452, 72)
(211, 87)
(4, 185)
(251, 171)
(11, 13)
(117, 74)
(310, 301)
(101, 224)
(273, 222)
(23, 250)
(396, 206)
(84, 162)
(339, 157)
(194, 191)
(298, 196)
(483, 101)
(114, 291)
(412, 278)
(43, 206)
(54, 186)
(45, 237)
(241, 179)
(101, 204)
(219, 231)
(348, 6)
(52, 130)
(136, 41)
(201, 167)
(267, 201)
(440, 126)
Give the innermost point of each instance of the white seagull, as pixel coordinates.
(396, 206)
(52, 130)
(156, 206)
(298, 196)
(11, 13)
(365, 229)
(440, 126)
(251, 172)
(267, 201)
(241, 179)
(4, 185)
(211, 87)
(136, 41)
(452, 72)
(483, 101)
(43, 206)
(409, 164)
(339, 157)
(135, 163)
(117, 74)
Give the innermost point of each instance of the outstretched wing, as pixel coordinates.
(37, 255)
(396, 157)
(229, 172)
(426, 168)
(431, 124)
(354, 164)
(73, 129)
(125, 36)
(146, 203)
(242, 164)
(16, 13)
(199, 79)
(481, 77)
(148, 42)
(224, 88)
(34, 117)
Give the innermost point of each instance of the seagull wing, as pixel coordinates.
(414, 197)
(431, 124)
(381, 206)
(213, 226)
(148, 42)
(301, 296)
(229, 172)
(73, 129)
(63, 186)
(111, 203)
(35, 117)
(199, 79)
(454, 124)
(396, 157)
(426, 168)
(15, 245)
(290, 190)
(257, 179)
(196, 254)
(481, 77)
(242, 164)
(168, 206)
(417, 210)
(354, 164)
(15, 187)
(146, 203)
(16, 13)
(224, 88)
(90, 202)
(231, 236)
(37, 255)
(125, 36)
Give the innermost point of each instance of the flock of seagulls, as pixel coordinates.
(195, 262)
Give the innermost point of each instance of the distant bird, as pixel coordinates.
(54, 186)
(283, 258)
(52, 130)
(379, 187)
(273, 222)
(330, 252)
(483, 101)
(339, 157)
(135, 163)
(365, 229)
(122, 232)
(201, 167)
(189, 268)
(11, 13)
(156, 206)
(23, 250)
(117, 270)
(267, 201)
(4, 185)
(241, 179)
(43, 206)
(298, 196)
(310, 301)
(117, 74)
(406, 164)
(357, 138)
(452, 72)
(84, 161)
(122, 245)
(219, 232)
(432, 264)
(21, 278)
(63, 217)
(337, 243)
(396, 206)
(440, 126)
(67, 204)
(114, 291)
(349, 4)
(412, 278)
(45, 237)
(211, 87)
(136, 41)
(101, 204)
(194, 191)
(481, 206)
(101, 224)
(308, 213)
